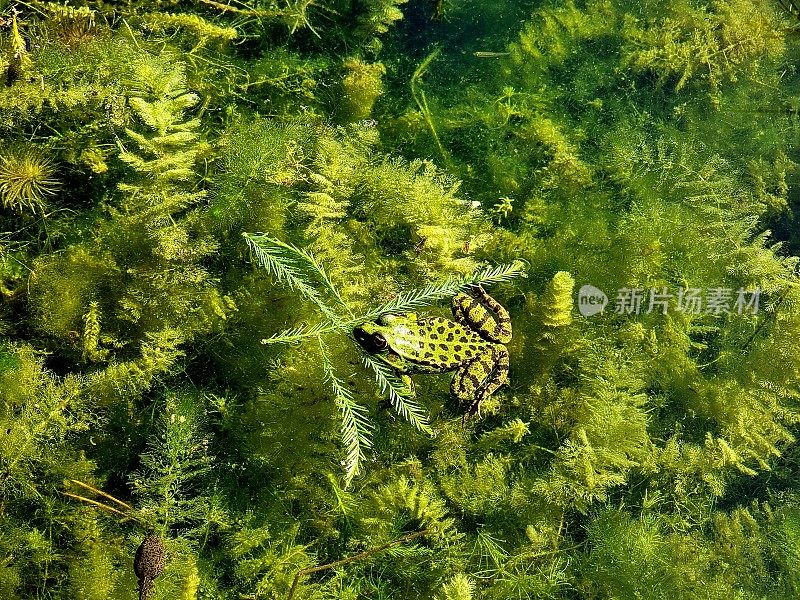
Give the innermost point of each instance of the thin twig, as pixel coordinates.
(360, 555)
(102, 493)
(250, 12)
(422, 101)
(99, 504)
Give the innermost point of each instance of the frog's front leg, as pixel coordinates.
(479, 379)
(399, 366)
(472, 314)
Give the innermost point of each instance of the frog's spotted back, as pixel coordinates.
(149, 563)
(444, 344)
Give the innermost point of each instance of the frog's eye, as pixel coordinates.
(371, 342)
(379, 341)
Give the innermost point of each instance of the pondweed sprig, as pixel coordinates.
(422, 297)
(355, 425)
(398, 395)
(290, 265)
(301, 271)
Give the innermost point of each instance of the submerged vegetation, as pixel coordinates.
(201, 200)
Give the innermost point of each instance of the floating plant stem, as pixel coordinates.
(422, 101)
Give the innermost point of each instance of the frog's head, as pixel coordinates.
(380, 335)
(370, 336)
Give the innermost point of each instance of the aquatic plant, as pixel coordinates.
(557, 301)
(295, 267)
(422, 101)
(723, 43)
(27, 179)
(69, 25)
(460, 587)
(393, 153)
(361, 86)
(376, 19)
(202, 30)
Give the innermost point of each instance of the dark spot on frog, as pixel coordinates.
(429, 354)
(433, 336)
(457, 347)
(450, 337)
(443, 358)
(473, 347)
(463, 339)
(443, 346)
(440, 329)
(432, 346)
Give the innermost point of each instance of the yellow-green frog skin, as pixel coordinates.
(473, 346)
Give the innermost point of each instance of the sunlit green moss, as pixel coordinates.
(27, 179)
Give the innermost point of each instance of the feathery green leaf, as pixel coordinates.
(295, 335)
(420, 298)
(405, 406)
(355, 425)
(280, 260)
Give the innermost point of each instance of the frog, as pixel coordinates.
(472, 345)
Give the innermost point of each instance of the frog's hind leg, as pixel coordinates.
(496, 378)
(476, 381)
(472, 314)
(466, 382)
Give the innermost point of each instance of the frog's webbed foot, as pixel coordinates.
(409, 391)
(471, 312)
(399, 366)
(472, 409)
(468, 414)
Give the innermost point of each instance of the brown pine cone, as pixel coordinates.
(149, 563)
